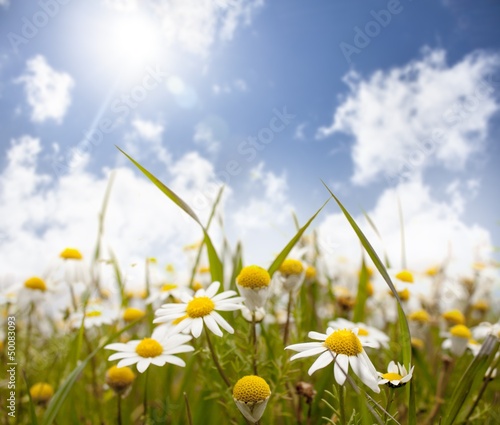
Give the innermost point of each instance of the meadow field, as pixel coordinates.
(235, 343)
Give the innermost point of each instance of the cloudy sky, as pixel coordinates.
(382, 100)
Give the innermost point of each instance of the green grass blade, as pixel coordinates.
(216, 268)
(362, 296)
(63, 391)
(200, 249)
(402, 321)
(34, 419)
(286, 250)
(471, 379)
(375, 229)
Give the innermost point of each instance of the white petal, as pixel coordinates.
(222, 322)
(322, 361)
(118, 346)
(308, 353)
(212, 325)
(128, 362)
(143, 364)
(175, 360)
(197, 327)
(317, 336)
(212, 289)
(229, 306)
(184, 324)
(175, 340)
(341, 368)
(121, 355)
(392, 368)
(304, 346)
(224, 295)
(180, 349)
(158, 361)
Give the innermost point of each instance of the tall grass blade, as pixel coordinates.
(286, 250)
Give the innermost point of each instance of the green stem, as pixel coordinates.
(390, 398)
(288, 316)
(188, 410)
(342, 406)
(216, 361)
(119, 409)
(254, 342)
(145, 401)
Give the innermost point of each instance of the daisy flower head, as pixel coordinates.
(166, 290)
(154, 350)
(368, 335)
(396, 376)
(292, 274)
(41, 393)
(251, 394)
(253, 285)
(119, 379)
(72, 266)
(199, 310)
(458, 339)
(343, 347)
(95, 315)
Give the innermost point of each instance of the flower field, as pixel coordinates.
(235, 343)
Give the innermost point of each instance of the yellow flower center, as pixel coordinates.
(93, 313)
(420, 316)
(41, 392)
(392, 376)
(363, 332)
(170, 268)
(461, 331)
(432, 271)
(199, 307)
(197, 285)
(119, 378)
(253, 277)
(481, 305)
(149, 347)
(310, 273)
(290, 266)
(417, 343)
(369, 289)
(168, 287)
(405, 276)
(71, 254)
(35, 283)
(345, 342)
(204, 270)
(131, 314)
(454, 316)
(152, 260)
(251, 389)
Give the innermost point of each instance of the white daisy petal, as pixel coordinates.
(212, 325)
(304, 346)
(222, 322)
(175, 360)
(212, 289)
(341, 368)
(322, 361)
(121, 355)
(197, 327)
(119, 347)
(308, 353)
(128, 362)
(142, 365)
(317, 335)
(224, 295)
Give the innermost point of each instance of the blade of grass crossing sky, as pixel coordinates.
(402, 321)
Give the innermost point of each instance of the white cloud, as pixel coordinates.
(299, 131)
(196, 25)
(204, 136)
(48, 91)
(426, 112)
(434, 229)
(42, 215)
(148, 130)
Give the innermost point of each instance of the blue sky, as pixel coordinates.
(411, 108)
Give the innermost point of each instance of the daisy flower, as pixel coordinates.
(292, 274)
(251, 394)
(154, 350)
(95, 315)
(344, 348)
(253, 284)
(368, 335)
(458, 339)
(201, 309)
(396, 375)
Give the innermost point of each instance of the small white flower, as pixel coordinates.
(344, 348)
(396, 375)
(151, 351)
(458, 339)
(201, 309)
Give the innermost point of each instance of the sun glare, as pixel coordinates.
(132, 42)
